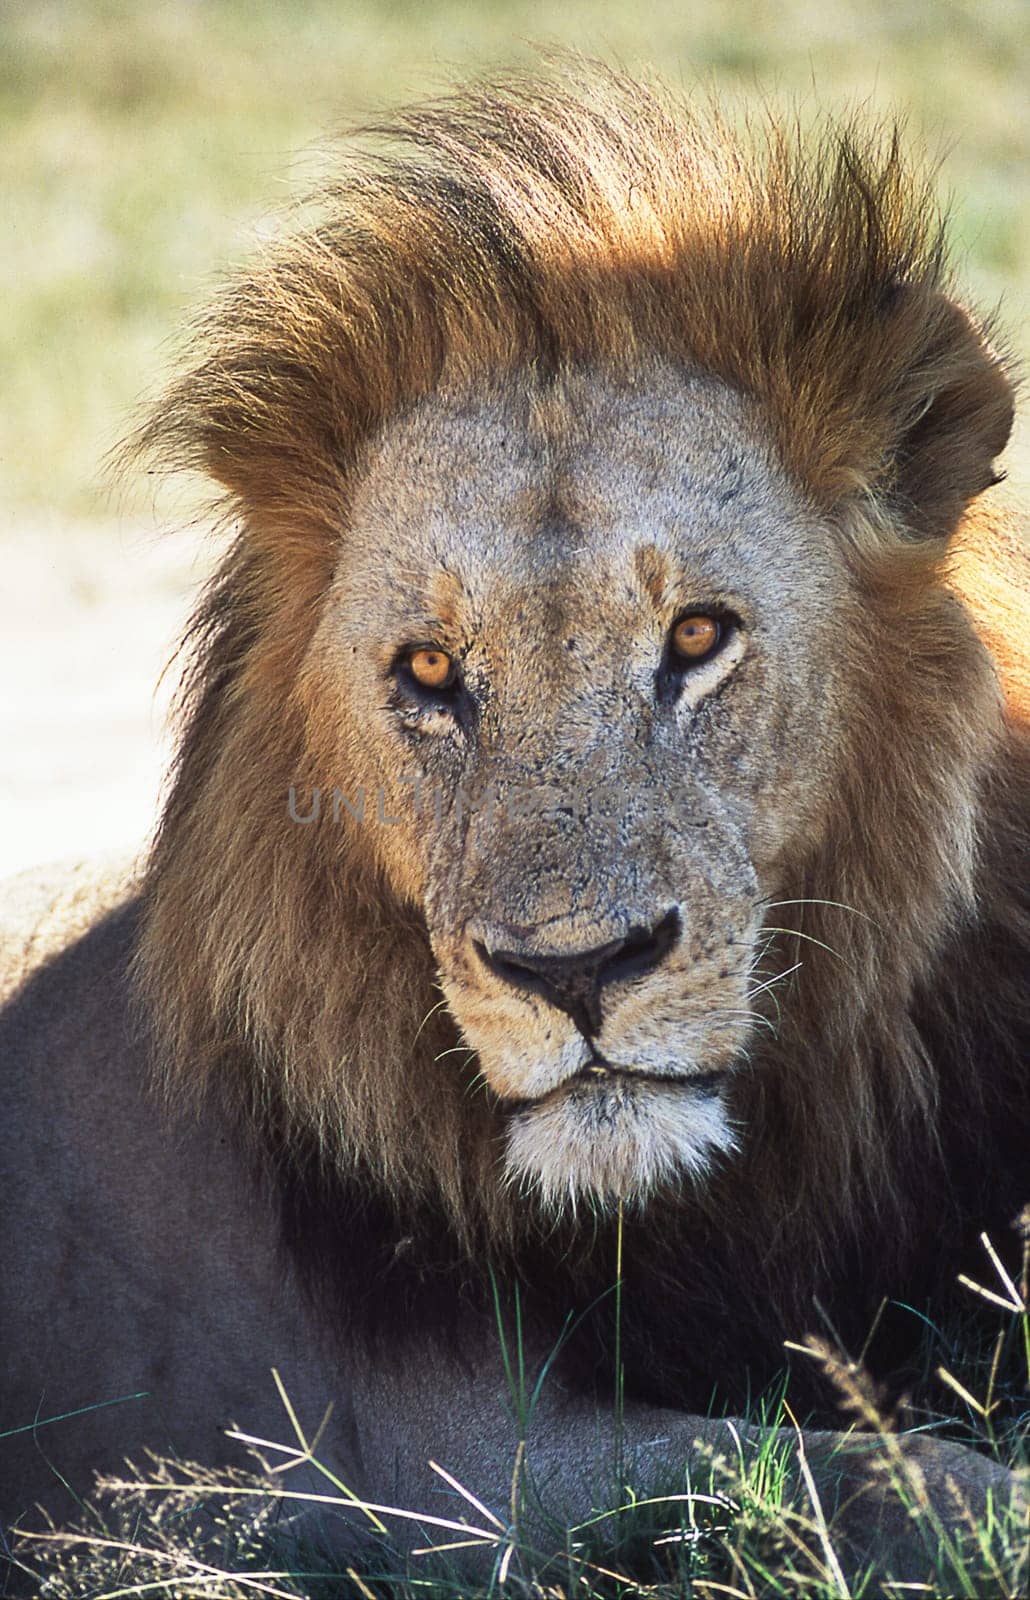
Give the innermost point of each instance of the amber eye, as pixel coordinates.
(694, 638)
(433, 669)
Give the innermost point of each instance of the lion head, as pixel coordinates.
(585, 748)
(604, 665)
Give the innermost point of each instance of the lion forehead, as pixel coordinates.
(525, 484)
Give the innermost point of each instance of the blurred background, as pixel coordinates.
(143, 149)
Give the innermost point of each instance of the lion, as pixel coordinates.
(594, 846)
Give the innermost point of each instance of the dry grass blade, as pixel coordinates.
(841, 1587)
(467, 1494)
(962, 1392)
(200, 1571)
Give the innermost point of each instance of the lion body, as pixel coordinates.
(732, 954)
(127, 1322)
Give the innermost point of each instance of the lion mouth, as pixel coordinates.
(602, 1078)
(599, 1072)
(618, 1132)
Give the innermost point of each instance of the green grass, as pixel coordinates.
(144, 148)
(756, 1525)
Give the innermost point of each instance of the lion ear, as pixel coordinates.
(959, 412)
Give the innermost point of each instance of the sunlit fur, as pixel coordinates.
(622, 1143)
(545, 228)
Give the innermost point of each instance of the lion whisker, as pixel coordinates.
(741, 1012)
(779, 978)
(795, 933)
(838, 905)
(455, 1050)
(440, 1004)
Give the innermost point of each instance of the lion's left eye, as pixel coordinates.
(696, 637)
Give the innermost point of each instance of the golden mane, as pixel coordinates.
(547, 227)
(535, 224)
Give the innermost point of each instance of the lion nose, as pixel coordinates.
(574, 982)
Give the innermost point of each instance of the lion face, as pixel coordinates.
(587, 704)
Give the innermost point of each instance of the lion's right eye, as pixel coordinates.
(433, 669)
(429, 693)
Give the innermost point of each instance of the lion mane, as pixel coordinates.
(555, 228)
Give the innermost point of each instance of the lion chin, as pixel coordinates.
(611, 1137)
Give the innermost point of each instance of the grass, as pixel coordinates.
(145, 147)
(757, 1525)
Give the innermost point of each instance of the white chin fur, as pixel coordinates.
(616, 1142)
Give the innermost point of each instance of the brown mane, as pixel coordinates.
(547, 227)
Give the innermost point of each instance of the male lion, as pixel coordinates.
(597, 650)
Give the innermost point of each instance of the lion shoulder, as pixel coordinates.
(46, 909)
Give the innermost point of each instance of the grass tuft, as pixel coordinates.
(757, 1524)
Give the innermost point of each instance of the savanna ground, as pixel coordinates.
(143, 150)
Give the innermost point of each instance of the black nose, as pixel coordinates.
(573, 983)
